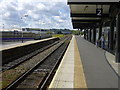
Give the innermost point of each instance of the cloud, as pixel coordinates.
(52, 13)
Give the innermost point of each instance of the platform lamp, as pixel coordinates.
(25, 15)
(50, 30)
(40, 28)
(3, 27)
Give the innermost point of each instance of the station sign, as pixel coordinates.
(99, 11)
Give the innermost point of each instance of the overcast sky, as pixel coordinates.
(41, 14)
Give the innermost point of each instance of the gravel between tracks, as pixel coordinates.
(18, 61)
(34, 79)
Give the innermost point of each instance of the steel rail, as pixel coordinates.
(29, 56)
(44, 84)
(15, 83)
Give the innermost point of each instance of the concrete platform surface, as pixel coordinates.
(98, 71)
(64, 76)
(70, 72)
(85, 66)
(111, 60)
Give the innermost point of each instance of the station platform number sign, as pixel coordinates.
(99, 11)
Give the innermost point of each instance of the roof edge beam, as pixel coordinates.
(94, 3)
(88, 15)
(89, 20)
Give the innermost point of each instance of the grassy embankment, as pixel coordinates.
(58, 35)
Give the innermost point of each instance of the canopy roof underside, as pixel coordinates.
(84, 12)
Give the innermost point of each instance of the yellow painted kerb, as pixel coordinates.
(79, 77)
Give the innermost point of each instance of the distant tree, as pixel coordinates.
(77, 32)
(59, 32)
(49, 32)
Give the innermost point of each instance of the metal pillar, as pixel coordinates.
(108, 39)
(94, 35)
(87, 34)
(79, 31)
(111, 35)
(84, 34)
(100, 33)
(90, 35)
(117, 54)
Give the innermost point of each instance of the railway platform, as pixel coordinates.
(15, 51)
(86, 66)
(19, 44)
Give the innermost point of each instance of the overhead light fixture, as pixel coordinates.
(85, 8)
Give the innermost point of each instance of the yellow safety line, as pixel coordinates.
(79, 77)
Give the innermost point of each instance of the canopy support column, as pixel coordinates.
(100, 33)
(94, 35)
(87, 34)
(111, 34)
(84, 34)
(90, 35)
(118, 38)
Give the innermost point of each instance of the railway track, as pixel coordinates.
(18, 61)
(41, 72)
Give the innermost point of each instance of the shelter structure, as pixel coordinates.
(92, 14)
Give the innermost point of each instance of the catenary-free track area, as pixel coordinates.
(84, 66)
(13, 76)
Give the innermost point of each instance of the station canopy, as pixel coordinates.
(88, 13)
